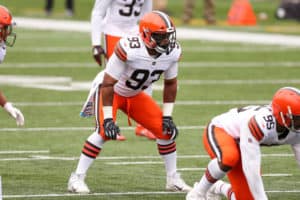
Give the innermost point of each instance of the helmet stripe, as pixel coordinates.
(292, 89)
(165, 18)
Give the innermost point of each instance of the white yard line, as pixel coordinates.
(242, 64)
(24, 152)
(137, 194)
(277, 175)
(182, 33)
(206, 48)
(92, 194)
(66, 84)
(239, 49)
(238, 82)
(264, 175)
(108, 159)
(63, 129)
(178, 103)
(219, 64)
(48, 65)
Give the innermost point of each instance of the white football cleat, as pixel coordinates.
(76, 184)
(194, 194)
(175, 183)
(212, 193)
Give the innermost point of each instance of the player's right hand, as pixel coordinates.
(169, 127)
(98, 51)
(111, 130)
(15, 113)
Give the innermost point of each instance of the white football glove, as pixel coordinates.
(15, 113)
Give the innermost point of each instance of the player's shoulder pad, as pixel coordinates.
(262, 124)
(121, 50)
(176, 52)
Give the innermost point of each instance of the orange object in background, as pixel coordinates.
(241, 13)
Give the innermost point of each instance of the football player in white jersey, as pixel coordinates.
(7, 38)
(233, 141)
(116, 19)
(137, 62)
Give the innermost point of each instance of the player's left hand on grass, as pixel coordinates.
(15, 113)
(169, 127)
(111, 130)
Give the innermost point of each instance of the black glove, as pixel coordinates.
(98, 51)
(111, 130)
(169, 127)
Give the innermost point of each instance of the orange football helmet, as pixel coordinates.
(286, 108)
(158, 31)
(6, 27)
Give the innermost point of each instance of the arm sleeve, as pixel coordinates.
(251, 162)
(97, 16)
(2, 52)
(147, 7)
(115, 67)
(172, 71)
(296, 149)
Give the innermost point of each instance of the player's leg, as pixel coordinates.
(69, 5)
(91, 149)
(224, 152)
(49, 7)
(218, 189)
(144, 110)
(139, 129)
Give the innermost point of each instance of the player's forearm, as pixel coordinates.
(251, 162)
(170, 90)
(2, 99)
(107, 95)
(97, 16)
(255, 183)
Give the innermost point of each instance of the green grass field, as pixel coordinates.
(36, 161)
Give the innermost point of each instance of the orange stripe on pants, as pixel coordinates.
(110, 43)
(229, 150)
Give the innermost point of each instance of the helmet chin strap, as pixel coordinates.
(160, 50)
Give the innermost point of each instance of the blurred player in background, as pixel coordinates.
(136, 62)
(69, 6)
(116, 19)
(7, 38)
(233, 141)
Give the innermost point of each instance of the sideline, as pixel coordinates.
(53, 195)
(182, 33)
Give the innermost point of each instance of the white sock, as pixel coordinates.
(212, 174)
(86, 161)
(170, 163)
(84, 164)
(225, 189)
(170, 159)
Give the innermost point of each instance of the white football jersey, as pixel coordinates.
(135, 69)
(117, 17)
(254, 126)
(2, 51)
(260, 122)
